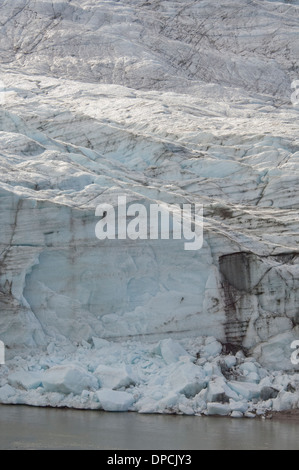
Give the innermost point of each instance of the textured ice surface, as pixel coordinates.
(161, 102)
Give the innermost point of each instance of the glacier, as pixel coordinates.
(163, 102)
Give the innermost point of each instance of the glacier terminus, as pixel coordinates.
(164, 104)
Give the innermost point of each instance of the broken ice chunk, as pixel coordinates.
(115, 377)
(68, 379)
(111, 400)
(26, 380)
(171, 351)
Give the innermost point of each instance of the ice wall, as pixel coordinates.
(161, 102)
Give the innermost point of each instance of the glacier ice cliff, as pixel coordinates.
(163, 102)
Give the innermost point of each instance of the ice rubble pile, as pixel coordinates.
(186, 377)
(161, 102)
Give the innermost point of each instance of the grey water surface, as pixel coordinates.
(32, 428)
